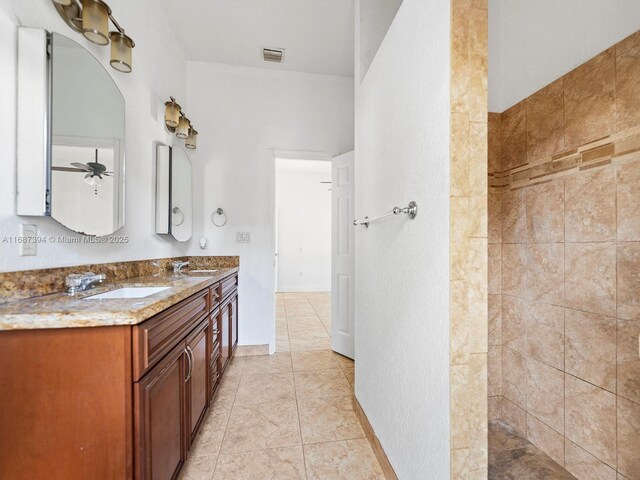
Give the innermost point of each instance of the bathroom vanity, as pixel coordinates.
(128, 381)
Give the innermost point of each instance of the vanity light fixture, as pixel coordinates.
(178, 123)
(192, 140)
(172, 113)
(91, 18)
(182, 131)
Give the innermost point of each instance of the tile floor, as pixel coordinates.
(289, 415)
(512, 457)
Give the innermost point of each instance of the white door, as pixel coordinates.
(342, 257)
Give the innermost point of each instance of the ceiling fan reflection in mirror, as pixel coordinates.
(94, 172)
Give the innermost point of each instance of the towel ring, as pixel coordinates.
(219, 211)
(177, 211)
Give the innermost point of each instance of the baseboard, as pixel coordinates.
(387, 469)
(250, 350)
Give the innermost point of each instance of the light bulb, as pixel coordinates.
(94, 181)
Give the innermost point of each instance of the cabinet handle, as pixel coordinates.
(189, 356)
(216, 331)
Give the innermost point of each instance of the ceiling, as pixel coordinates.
(317, 35)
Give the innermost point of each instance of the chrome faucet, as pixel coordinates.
(178, 266)
(81, 282)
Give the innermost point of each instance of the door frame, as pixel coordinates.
(272, 155)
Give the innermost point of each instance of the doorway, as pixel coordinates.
(313, 253)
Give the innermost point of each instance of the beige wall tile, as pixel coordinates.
(460, 464)
(585, 466)
(460, 65)
(514, 137)
(590, 208)
(495, 268)
(478, 59)
(629, 280)
(628, 199)
(459, 322)
(495, 320)
(459, 237)
(494, 225)
(495, 146)
(590, 277)
(514, 377)
(545, 121)
(628, 359)
(545, 394)
(477, 274)
(513, 323)
(590, 348)
(478, 153)
(478, 451)
(545, 273)
(514, 416)
(459, 154)
(514, 270)
(545, 333)
(460, 406)
(545, 212)
(494, 408)
(589, 100)
(590, 420)
(629, 438)
(494, 360)
(514, 220)
(546, 439)
(628, 89)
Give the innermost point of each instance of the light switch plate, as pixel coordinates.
(243, 237)
(28, 246)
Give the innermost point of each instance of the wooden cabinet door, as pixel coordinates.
(225, 335)
(160, 426)
(234, 322)
(198, 374)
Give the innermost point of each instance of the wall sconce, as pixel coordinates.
(178, 123)
(192, 140)
(92, 20)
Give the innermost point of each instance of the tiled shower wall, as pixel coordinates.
(564, 266)
(469, 37)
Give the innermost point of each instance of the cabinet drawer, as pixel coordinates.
(228, 285)
(214, 296)
(154, 338)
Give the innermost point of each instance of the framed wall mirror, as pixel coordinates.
(174, 203)
(82, 146)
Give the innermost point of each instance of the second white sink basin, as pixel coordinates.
(128, 292)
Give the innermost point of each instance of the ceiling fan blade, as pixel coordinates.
(88, 175)
(81, 166)
(68, 169)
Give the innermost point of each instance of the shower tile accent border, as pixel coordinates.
(36, 283)
(469, 350)
(563, 179)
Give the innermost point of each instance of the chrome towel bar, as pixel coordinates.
(411, 211)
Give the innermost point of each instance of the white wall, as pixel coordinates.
(245, 112)
(159, 70)
(532, 43)
(303, 210)
(402, 266)
(375, 18)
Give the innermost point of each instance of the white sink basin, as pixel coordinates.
(202, 271)
(128, 292)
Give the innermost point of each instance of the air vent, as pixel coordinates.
(273, 55)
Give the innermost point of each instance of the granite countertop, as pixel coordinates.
(59, 310)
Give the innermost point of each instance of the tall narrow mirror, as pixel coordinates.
(174, 204)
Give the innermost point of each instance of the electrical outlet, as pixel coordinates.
(28, 246)
(243, 237)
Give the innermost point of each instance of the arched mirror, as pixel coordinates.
(87, 142)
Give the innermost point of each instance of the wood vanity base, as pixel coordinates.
(118, 402)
